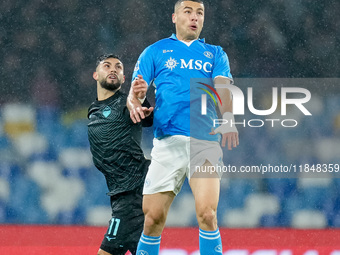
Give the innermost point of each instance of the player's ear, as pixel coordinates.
(123, 79)
(95, 76)
(174, 17)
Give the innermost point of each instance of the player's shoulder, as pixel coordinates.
(211, 47)
(94, 107)
(161, 43)
(155, 48)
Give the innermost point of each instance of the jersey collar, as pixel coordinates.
(174, 37)
(111, 98)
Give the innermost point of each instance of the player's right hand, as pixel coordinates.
(137, 111)
(139, 87)
(140, 113)
(135, 108)
(147, 111)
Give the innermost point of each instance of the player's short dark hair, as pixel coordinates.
(106, 56)
(178, 2)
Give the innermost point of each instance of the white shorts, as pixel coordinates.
(175, 157)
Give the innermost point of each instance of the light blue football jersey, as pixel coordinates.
(174, 68)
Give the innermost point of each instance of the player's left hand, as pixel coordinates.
(228, 131)
(232, 138)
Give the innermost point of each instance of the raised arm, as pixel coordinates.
(135, 99)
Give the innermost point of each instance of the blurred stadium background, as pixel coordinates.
(48, 52)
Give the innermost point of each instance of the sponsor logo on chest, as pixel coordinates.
(191, 64)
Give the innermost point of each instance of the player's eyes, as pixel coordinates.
(187, 12)
(200, 13)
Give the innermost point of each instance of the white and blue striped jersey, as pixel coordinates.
(172, 66)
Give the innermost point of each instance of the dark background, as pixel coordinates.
(49, 48)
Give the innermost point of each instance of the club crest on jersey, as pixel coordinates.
(106, 111)
(208, 54)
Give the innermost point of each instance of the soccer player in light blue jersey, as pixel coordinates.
(183, 134)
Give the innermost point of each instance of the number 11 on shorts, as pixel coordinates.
(114, 225)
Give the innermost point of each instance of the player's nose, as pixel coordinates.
(194, 16)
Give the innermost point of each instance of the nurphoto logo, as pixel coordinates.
(288, 96)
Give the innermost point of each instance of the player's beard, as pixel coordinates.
(111, 86)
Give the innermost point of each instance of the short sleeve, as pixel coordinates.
(145, 66)
(221, 64)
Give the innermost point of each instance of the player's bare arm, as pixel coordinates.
(134, 101)
(229, 133)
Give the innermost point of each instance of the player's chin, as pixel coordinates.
(112, 86)
(194, 34)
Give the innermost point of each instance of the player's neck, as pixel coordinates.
(186, 41)
(103, 94)
(185, 38)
